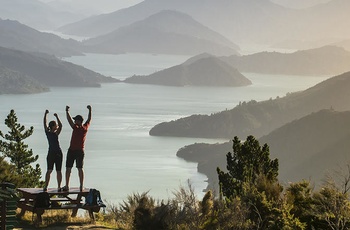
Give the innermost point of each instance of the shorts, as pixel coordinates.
(77, 156)
(54, 158)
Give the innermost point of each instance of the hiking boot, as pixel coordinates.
(65, 188)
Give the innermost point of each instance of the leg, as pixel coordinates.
(69, 165)
(59, 178)
(47, 178)
(80, 163)
(81, 177)
(68, 172)
(59, 159)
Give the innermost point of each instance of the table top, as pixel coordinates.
(53, 191)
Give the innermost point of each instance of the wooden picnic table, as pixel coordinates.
(71, 199)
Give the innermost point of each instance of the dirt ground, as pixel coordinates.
(66, 227)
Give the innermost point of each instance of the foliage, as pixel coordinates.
(246, 166)
(20, 157)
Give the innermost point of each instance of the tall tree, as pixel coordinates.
(13, 148)
(248, 163)
(252, 177)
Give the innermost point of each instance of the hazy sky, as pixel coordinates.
(104, 6)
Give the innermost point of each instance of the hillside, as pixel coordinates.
(310, 148)
(49, 70)
(210, 71)
(260, 118)
(12, 82)
(166, 32)
(327, 60)
(21, 37)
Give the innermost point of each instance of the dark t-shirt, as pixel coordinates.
(54, 145)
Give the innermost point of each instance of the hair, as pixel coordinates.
(52, 124)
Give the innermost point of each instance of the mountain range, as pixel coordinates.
(208, 71)
(326, 60)
(166, 32)
(311, 148)
(242, 21)
(49, 70)
(260, 118)
(15, 35)
(306, 131)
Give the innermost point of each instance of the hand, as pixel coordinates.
(46, 111)
(67, 108)
(55, 114)
(89, 107)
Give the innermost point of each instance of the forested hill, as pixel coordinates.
(309, 148)
(325, 60)
(209, 71)
(12, 82)
(49, 70)
(260, 118)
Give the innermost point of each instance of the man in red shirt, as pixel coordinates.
(76, 149)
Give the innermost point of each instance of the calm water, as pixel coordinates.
(121, 158)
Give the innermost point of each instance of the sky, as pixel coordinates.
(103, 6)
(107, 6)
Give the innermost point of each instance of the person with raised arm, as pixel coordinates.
(76, 148)
(54, 155)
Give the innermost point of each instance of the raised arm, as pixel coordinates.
(46, 128)
(69, 118)
(89, 115)
(59, 129)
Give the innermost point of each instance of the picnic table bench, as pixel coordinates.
(71, 200)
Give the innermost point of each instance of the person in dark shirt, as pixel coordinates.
(54, 156)
(76, 148)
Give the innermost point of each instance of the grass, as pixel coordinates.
(62, 220)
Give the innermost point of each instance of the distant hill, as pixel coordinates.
(260, 118)
(12, 82)
(210, 71)
(299, 4)
(50, 71)
(242, 21)
(327, 60)
(36, 14)
(166, 32)
(312, 146)
(234, 19)
(21, 37)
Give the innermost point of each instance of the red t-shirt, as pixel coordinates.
(78, 136)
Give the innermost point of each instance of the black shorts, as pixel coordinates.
(75, 155)
(54, 158)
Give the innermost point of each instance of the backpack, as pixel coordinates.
(92, 197)
(42, 200)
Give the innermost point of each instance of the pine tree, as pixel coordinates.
(16, 151)
(248, 163)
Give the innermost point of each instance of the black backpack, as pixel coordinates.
(94, 198)
(42, 200)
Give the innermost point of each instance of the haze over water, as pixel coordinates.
(121, 158)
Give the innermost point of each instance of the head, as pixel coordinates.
(78, 119)
(52, 125)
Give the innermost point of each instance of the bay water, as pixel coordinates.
(121, 157)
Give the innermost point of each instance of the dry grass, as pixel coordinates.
(62, 220)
